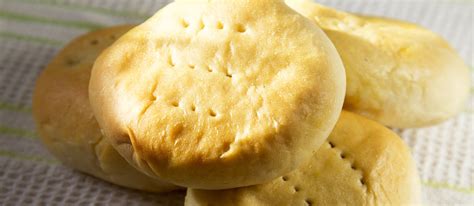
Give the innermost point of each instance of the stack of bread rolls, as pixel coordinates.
(242, 103)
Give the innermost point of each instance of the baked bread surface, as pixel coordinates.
(398, 73)
(65, 121)
(219, 94)
(362, 163)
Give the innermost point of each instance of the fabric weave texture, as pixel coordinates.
(33, 31)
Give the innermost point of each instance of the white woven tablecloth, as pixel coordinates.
(32, 31)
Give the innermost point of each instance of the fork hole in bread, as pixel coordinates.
(201, 25)
(353, 167)
(342, 155)
(209, 69)
(170, 61)
(240, 28)
(184, 23)
(228, 74)
(72, 62)
(175, 103)
(220, 25)
(212, 113)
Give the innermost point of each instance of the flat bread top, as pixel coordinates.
(219, 94)
(362, 163)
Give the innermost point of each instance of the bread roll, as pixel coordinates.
(362, 163)
(65, 121)
(219, 94)
(398, 73)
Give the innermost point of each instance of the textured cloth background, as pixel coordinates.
(32, 31)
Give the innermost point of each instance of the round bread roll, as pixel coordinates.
(398, 73)
(362, 163)
(65, 121)
(219, 95)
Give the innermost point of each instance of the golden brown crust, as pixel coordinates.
(65, 120)
(398, 73)
(362, 163)
(217, 95)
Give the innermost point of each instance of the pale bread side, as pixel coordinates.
(398, 73)
(65, 121)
